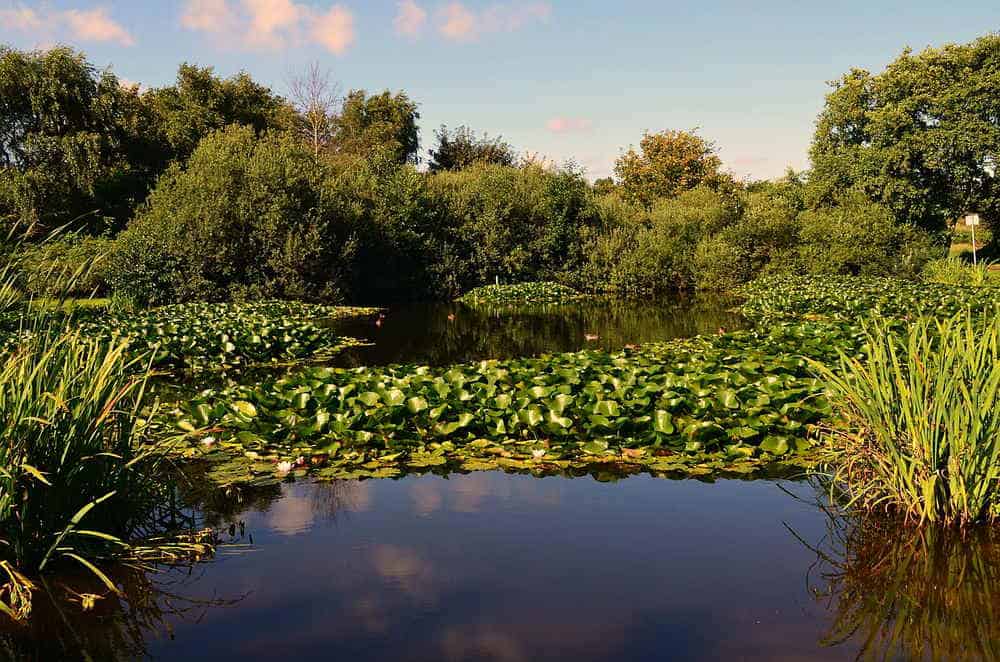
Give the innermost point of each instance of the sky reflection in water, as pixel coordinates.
(503, 567)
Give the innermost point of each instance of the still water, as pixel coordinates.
(443, 333)
(490, 566)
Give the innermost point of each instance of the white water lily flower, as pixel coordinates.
(208, 441)
(538, 453)
(284, 467)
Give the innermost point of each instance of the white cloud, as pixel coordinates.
(459, 23)
(92, 25)
(410, 18)
(271, 24)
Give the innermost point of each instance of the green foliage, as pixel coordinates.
(378, 122)
(690, 407)
(46, 266)
(518, 224)
(75, 146)
(922, 412)
(920, 137)
(245, 218)
(847, 298)
(216, 336)
(668, 163)
(952, 271)
(521, 293)
(199, 102)
(641, 251)
(462, 147)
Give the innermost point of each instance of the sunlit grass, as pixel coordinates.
(922, 415)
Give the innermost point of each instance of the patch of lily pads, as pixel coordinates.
(531, 293)
(695, 407)
(201, 336)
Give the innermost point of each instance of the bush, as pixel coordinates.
(82, 260)
(951, 271)
(518, 224)
(245, 218)
(643, 251)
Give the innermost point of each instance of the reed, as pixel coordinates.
(922, 415)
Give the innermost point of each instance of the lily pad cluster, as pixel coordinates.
(852, 298)
(532, 293)
(204, 335)
(665, 407)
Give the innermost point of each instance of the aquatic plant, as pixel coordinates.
(921, 419)
(852, 298)
(669, 407)
(206, 336)
(545, 292)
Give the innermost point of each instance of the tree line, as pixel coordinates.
(219, 188)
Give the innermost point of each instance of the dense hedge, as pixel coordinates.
(261, 216)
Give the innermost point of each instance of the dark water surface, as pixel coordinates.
(491, 566)
(443, 333)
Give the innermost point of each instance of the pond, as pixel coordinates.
(497, 566)
(494, 566)
(444, 333)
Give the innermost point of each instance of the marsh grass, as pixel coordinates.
(954, 271)
(922, 415)
(82, 483)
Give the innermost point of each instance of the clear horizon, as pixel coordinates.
(562, 80)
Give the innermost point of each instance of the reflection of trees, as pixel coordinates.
(425, 334)
(903, 592)
(116, 628)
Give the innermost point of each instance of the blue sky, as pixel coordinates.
(556, 78)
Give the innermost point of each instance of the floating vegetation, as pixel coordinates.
(206, 336)
(545, 292)
(851, 298)
(689, 406)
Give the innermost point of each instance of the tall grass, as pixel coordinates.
(953, 271)
(922, 410)
(80, 479)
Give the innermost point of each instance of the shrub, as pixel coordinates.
(245, 217)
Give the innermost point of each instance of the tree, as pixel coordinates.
(246, 216)
(670, 162)
(462, 147)
(200, 102)
(383, 121)
(315, 97)
(74, 143)
(922, 137)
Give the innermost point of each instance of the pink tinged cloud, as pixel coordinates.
(83, 24)
(207, 15)
(271, 20)
(334, 30)
(410, 18)
(96, 25)
(567, 124)
(458, 22)
(271, 24)
(22, 19)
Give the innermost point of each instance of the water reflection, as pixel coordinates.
(439, 334)
(492, 566)
(910, 594)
